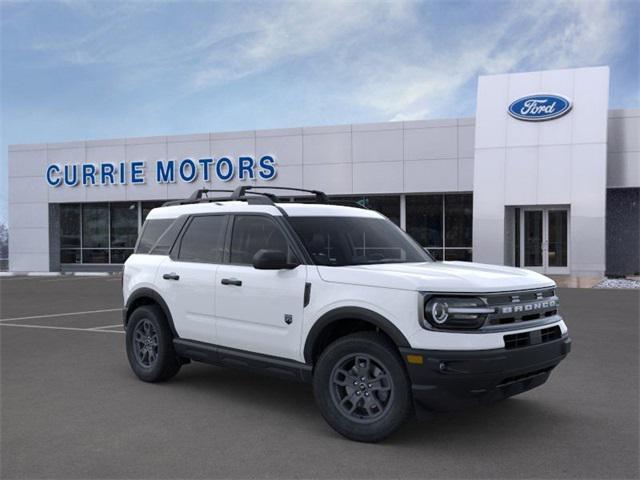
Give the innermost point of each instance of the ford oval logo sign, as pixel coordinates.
(536, 108)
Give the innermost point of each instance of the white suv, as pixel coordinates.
(337, 296)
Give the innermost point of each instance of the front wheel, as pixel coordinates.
(150, 345)
(362, 388)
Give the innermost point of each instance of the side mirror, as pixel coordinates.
(272, 260)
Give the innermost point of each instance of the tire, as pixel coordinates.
(369, 410)
(150, 345)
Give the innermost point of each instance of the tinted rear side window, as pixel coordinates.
(203, 241)
(151, 232)
(168, 238)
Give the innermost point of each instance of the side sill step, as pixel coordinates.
(233, 358)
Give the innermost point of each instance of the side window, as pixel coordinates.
(203, 240)
(151, 232)
(252, 233)
(168, 238)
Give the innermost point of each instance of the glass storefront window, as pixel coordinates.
(107, 232)
(120, 255)
(124, 225)
(95, 225)
(458, 223)
(98, 232)
(442, 224)
(388, 205)
(94, 255)
(70, 255)
(148, 206)
(424, 219)
(461, 254)
(69, 226)
(436, 253)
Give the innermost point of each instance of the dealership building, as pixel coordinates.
(545, 177)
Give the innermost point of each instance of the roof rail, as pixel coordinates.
(198, 197)
(195, 197)
(239, 192)
(246, 192)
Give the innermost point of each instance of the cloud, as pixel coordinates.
(533, 35)
(294, 31)
(401, 59)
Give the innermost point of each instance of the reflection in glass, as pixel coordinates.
(124, 225)
(119, 255)
(95, 256)
(458, 222)
(387, 205)
(424, 219)
(533, 238)
(459, 254)
(70, 255)
(436, 253)
(69, 225)
(558, 238)
(95, 225)
(148, 206)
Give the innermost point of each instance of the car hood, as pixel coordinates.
(462, 277)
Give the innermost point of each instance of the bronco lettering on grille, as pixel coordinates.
(527, 307)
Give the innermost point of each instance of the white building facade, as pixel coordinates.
(544, 177)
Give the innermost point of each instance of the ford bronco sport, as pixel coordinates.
(337, 296)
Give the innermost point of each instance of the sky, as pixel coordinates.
(75, 70)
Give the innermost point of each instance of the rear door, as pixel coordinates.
(259, 310)
(188, 277)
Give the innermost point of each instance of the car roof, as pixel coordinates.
(233, 206)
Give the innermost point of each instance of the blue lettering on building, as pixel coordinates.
(224, 169)
(245, 169)
(53, 172)
(107, 173)
(267, 168)
(185, 170)
(88, 174)
(188, 170)
(137, 173)
(205, 164)
(165, 171)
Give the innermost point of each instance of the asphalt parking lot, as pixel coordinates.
(71, 408)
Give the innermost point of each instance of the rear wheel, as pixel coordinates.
(362, 388)
(150, 345)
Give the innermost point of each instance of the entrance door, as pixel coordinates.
(543, 236)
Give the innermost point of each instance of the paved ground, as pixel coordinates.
(71, 408)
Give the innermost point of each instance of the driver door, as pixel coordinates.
(259, 310)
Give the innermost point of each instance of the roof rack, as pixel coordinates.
(321, 197)
(199, 197)
(246, 193)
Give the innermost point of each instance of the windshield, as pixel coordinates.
(340, 241)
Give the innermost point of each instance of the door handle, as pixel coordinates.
(171, 276)
(231, 281)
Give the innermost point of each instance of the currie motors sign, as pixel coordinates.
(540, 107)
(163, 171)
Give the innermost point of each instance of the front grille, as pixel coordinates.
(524, 306)
(519, 340)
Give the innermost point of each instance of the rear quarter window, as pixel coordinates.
(152, 230)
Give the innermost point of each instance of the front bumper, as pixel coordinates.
(447, 380)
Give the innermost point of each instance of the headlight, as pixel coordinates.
(455, 312)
